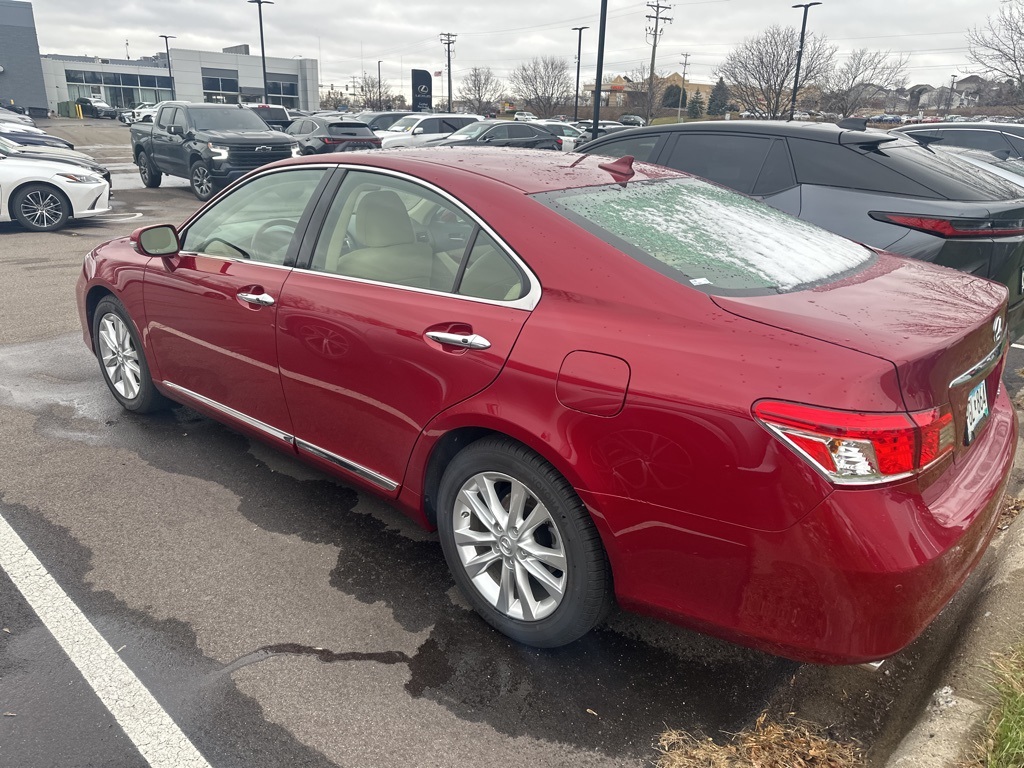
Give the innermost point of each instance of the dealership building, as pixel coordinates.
(232, 76)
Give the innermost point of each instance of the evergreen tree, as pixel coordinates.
(695, 107)
(718, 102)
(671, 98)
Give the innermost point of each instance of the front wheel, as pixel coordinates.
(201, 181)
(40, 208)
(521, 545)
(122, 359)
(150, 176)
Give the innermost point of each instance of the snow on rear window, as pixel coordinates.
(711, 235)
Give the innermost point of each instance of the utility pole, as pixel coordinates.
(448, 40)
(654, 34)
(579, 52)
(682, 87)
(949, 105)
(380, 89)
(601, 28)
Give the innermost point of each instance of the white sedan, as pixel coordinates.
(43, 198)
(570, 134)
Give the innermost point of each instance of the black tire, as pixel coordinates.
(40, 207)
(122, 359)
(562, 603)
(203, 185)
(150, 176)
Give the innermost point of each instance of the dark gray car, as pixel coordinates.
(876, 187)
(991, 137)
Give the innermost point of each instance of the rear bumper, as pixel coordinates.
(857, 579)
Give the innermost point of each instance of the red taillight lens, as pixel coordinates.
(951, 228)
(861, 448)
(328, 140)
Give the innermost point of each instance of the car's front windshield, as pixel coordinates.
(404, 125)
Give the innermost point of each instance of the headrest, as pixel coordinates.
(381, 220)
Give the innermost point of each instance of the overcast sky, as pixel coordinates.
(349, 37)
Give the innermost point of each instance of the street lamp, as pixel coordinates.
(263, 50)
(170, 74)
(579, 50)
(380, 90)
(601, 28)
(799, 56)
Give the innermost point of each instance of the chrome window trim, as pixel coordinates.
(527, 302)
(233, 259)
(982, 367)
(249, 420)
(357, 469)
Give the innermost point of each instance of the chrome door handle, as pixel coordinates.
(262, 299)
(468, 341)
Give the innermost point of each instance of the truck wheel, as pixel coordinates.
(150, 176)
(203, 185)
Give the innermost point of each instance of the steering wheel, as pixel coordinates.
(277, 243)
(266, 226)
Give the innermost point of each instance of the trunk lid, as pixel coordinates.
(944, 331)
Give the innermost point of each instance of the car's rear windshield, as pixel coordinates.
(944, 173)
(227, 119)
(349, 129)
(709, 237)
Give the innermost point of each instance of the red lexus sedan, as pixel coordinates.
(601, 381)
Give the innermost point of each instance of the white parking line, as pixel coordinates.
(1017, 346)
(150, 728)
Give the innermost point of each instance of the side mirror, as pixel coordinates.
(157, 240)
(417, 131)
(175, 130)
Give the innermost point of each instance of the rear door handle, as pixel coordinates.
(467, 341)
(261, 299)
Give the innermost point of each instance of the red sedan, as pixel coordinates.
(600, 381)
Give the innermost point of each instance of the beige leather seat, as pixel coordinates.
(390, 252)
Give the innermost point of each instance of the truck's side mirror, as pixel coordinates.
(175, 130)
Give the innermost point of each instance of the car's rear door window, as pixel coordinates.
(734, 161)
(990, 141)
(709, 237)
(777, 172)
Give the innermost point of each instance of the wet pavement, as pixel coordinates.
(282, 618)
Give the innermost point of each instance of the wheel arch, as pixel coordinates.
(42, 183)
(92, 298)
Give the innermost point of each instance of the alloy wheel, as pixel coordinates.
(42, 209)
(509, 546)
(119, 357)
(202, 182)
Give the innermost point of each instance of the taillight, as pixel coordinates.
(953, 227)
(558, 142)
(328, 140)
(861, 448)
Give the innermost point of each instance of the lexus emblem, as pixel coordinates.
(423, 89)
(263, 148)
(997, 329)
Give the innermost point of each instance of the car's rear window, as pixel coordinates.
(349, 129)
(950, 176)
(709, 237)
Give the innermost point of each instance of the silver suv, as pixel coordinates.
(414, 130)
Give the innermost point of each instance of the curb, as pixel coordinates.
(944, 733)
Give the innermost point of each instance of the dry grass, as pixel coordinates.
(790, 744)
(1011, 508)
(1003, 743)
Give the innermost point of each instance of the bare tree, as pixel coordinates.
(374, 93)
(544, 85)
(760, 71)
(849, 86)
(480, 90)
(998, 47)
(648, 91)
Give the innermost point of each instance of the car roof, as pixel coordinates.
(829, 132)
(534, 170)
(1007, 127)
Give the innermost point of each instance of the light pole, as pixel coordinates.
(167, 49)
(263, 49)
(380, 90)
(799, 56)
(601, 27)
(579, 51)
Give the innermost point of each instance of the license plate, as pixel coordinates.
(977, 411)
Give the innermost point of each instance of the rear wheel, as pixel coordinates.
(150, 176)
(201, 181)
(521, 545)
(40, 207)
(122, 359)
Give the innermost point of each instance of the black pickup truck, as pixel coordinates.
(208, 144)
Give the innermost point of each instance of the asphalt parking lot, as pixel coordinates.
(281, 618)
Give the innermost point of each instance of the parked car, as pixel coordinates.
(144, 113)
(414, 130)
(273, 115)
(96, 107)
(54, 155)
(381, 121)
(42, 195)
(10, 116)
(132, 114)
(655, 390)
(524, 116)
(570, 135)
(604, 127)
(324, 134)
(1001, 163)
(633, 120)
(991, 137)
(876, 187)
(501, 133)
(26, 134)
(208, 144)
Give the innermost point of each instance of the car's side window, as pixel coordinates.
(834, 165)
(256, 221)
(990, 141)
(498, 132)
(166, 116)
(523, 131)
(777, 171)
(734, 161)
(640, 147)
(433, 125)
(490, 274)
